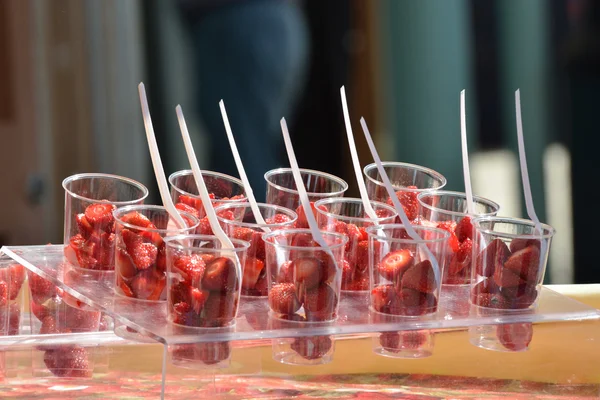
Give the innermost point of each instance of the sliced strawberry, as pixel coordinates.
(105, 250)
(506, 278)
(521, 243)
(491, 300)
(125, 288)
(219, 309)
(347, 273)
(515, 337)
(312, 347)
(278, 219)
(320, 303)
(257, 246)
(17, 277)
(100, 215)
(161, 258)
(137, 219)
(487, 286)
(199, 297)
(252, 270)
(181, 313)
(211, 353)
(286, 272)
(49, 326)
(461, 261)
(525, 299)
(464, 229)
(143, 285)
(359, 283)
(409, 202)
(450, 226)
(525, 263)
(68, 361)
(395, 263)
(188, 209)
(159, 287)
(283, 298)
(84, 226)
(3, 293)
(193, 202)
(395, 342)
(362, 255)
(384, 299)
(124, 265)
(77, 320)
(41, 289)
(307, 272)
(191, 268)
(152, 237)
(144, 255)
(420, 277)
(492, 258)
(413, 303)
(220, 275)
(302, 222)
(262, 286)
(242, 233)
(180, 293)
(204, 227)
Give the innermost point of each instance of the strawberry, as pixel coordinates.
(125, 288)
(464, 229)
(302, 222)
(450, 226)
(77, 320)
(204, 227)
(525, 298)
(492, 258)
(161, 258)
(312, 347)
(100, 215)
(219, 309)
(462, 259)
(105, 250)
(521, 243)
(420, 277)
(152, 237)
(506, 278)
(191, 268)
(159, 287)
(220, 275)
(384, 299)
(395, 263)
(347, 273)
(257, 246)
(525, 263)
(124, 265)
(262, 286)
(359, 283)
(307, 271)
(187, 209)
(16, 273)
(242, 233)
(41, 289)
(212, 352)
(84, 226)
(199, 297)
(143, 284)
(137, 219)
(362, 255)
(286, 272)
(49, 326)
(490, 300)
(320, 303)
(278, 219)
(193, 202)
(252, 270)
(3, 293)
(413, 303)
(408, 200)
(395, 342)
(283, 298)
(515, 337)
(181, 314)
(487, 286)
(68, 361)
(180, 293)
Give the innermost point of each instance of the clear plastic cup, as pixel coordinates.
(89, 226)
(304, 280)
(203, 355)
(281, 189)
(223, 189)
(301, 350)
(407, 179)
(510, 263)
(140, 259)
(12, 276)
(347, 216)
(204, 280)
(447, 210)
(401, 344)
(243, 226)
(405, 281)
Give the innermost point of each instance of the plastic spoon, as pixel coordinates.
(161, 179)
(390, 189)
(362, 188)
(465, 155)
(240, 167)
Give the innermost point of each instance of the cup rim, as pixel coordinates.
(124, 179)
(267, 236)
(243, 245)
(372, 232)
(285, 210)
(547, 233)
(450, 193)
(419, 168)
(185, 172)
(122, 210)
(278, 171)
(379, 204)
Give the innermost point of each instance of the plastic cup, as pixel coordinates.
(89, 225)
(407, 179)
(204, 280)
(281, 189)
(510, 263)
(140, 259)
(347, 216)
(405, 281)
(223, 189)
(447, 210)
(12, 276)
(304, 280)
(203, 355)
(243, 226)
(400, 344)
(301, 350)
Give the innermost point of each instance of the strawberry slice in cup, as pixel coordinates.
(204, 280)
(304, 279)
(243, 226)
(348, 217)
(510, 263)
(89, 229)
(140, 254)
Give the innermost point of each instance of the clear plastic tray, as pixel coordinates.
(253, 321)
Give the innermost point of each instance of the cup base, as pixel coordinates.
(408, 354)
(125, 332)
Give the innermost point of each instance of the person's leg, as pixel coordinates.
(253, 56)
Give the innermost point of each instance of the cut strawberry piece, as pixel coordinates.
(302, 222)
(461, 261)
(220, 275)
(347, 273)
(450, 226)
(125, 288)
(193, 202)
(487, 286)
(199, 297)
(180, 293)
(191, 268)
(124, 265)
(49, 326)
(283, 298)
(159, 287)
(100, 215)
(143, 284)
(77, 320)
(188, 209)
(312, 347)
(144, 255)
(242, 233)
(104, 251)
(204, 227)
(521, 243)
(3, 293)
(211, 353)
(360, 282)
(252, 270)
(362, 255)
(41, 289)
(395, 263)
(525, 298)
(152, 237)
(161, 258)
(257, 246)
(395, 342)
(286, 272)
(219, 309)
(491, 300)
(515, 337)
(409, 202)
(492, 258)
(420, 277)
(137, 219)
(16, 273)
(320, 303)
(278, 219)
(84, 226)
(525, 263)
(262, 286)
(506, 278)
(413, 303)
(384, 298)
(464, 229)
(68, 361)
(307, 272)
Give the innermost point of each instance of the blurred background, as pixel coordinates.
(69, 71)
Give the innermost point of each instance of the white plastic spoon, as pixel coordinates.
(465, 155)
